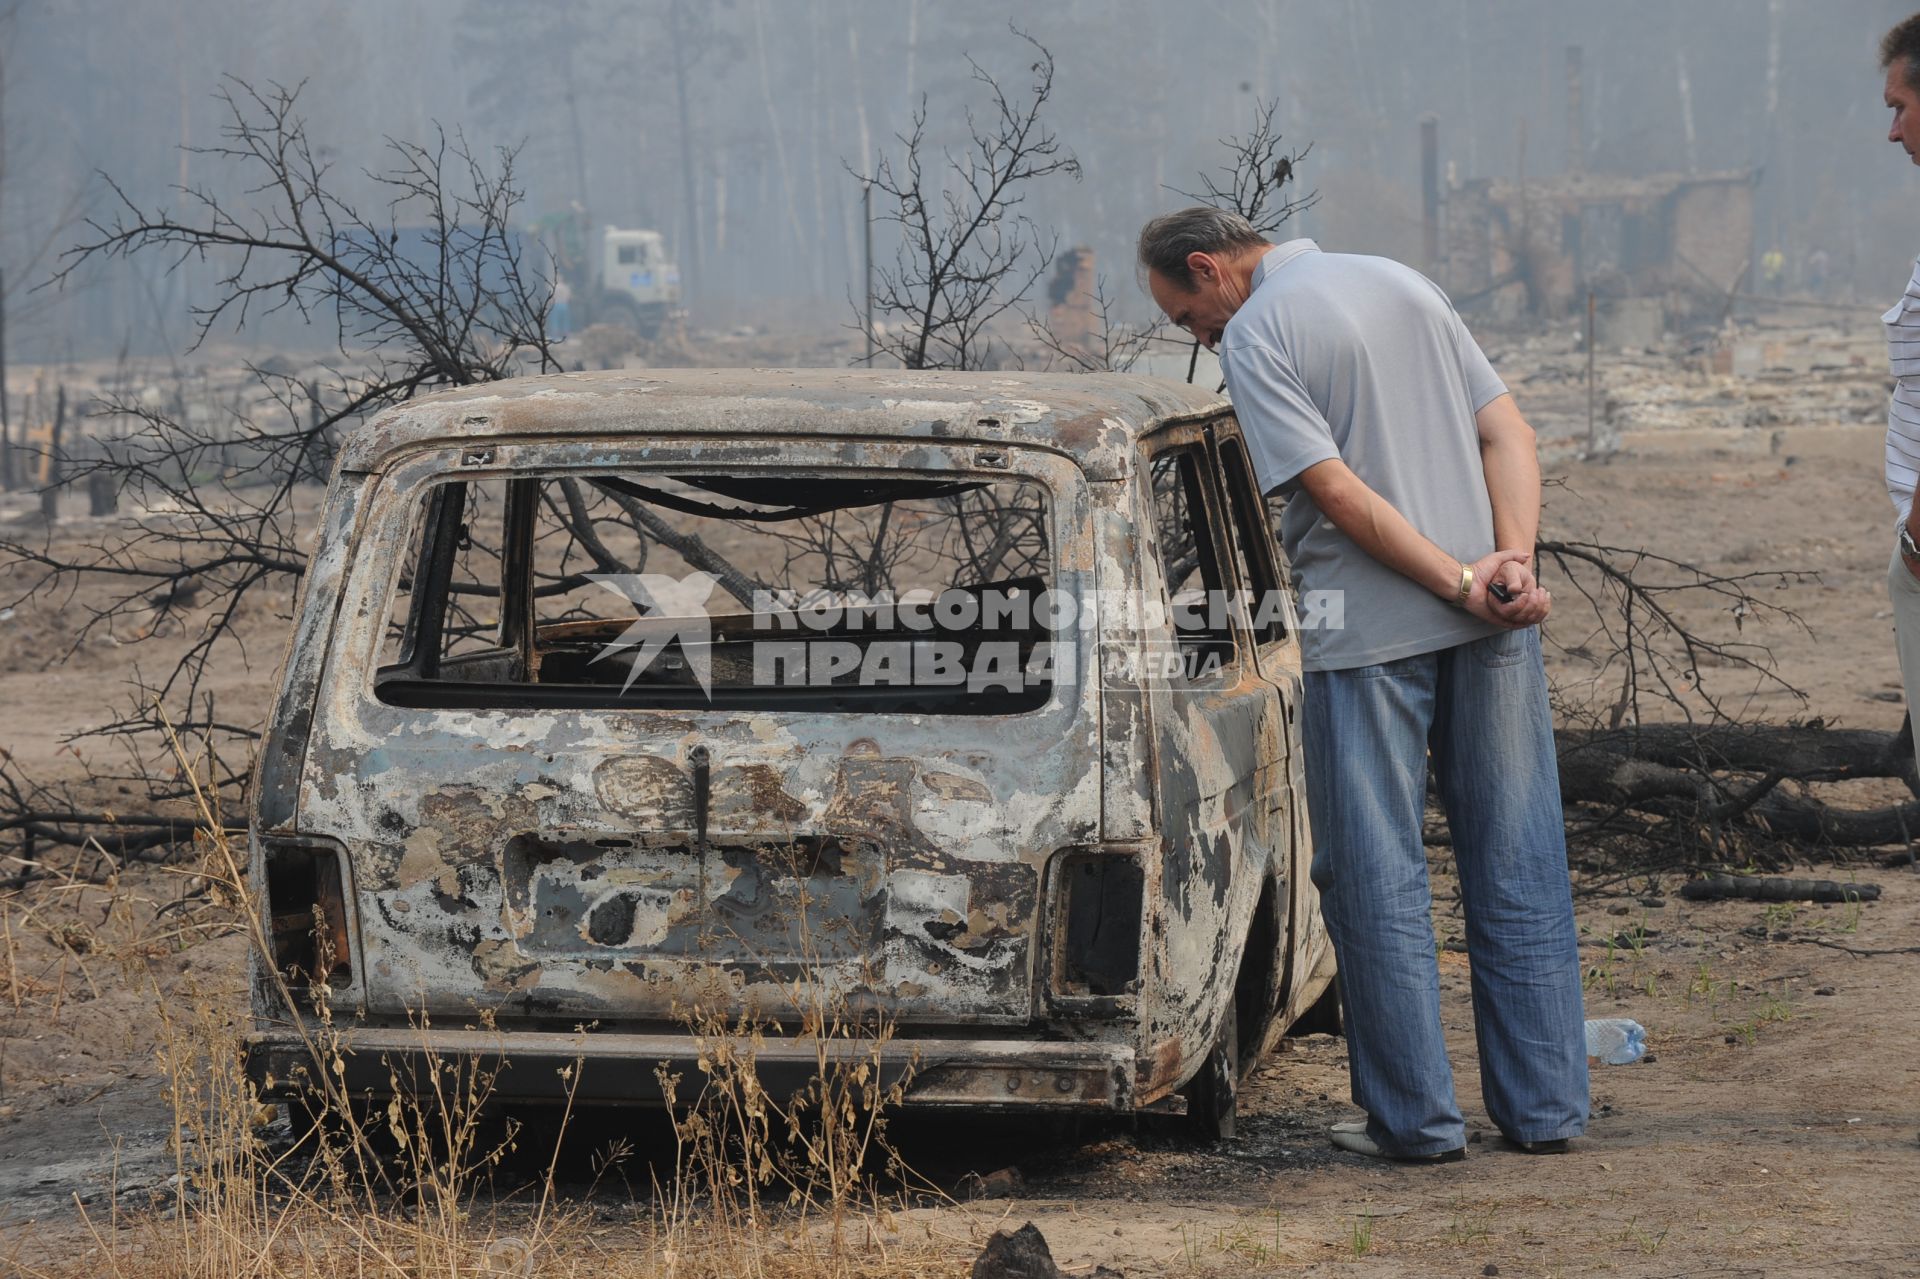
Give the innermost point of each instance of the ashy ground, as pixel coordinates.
(1774, 1129)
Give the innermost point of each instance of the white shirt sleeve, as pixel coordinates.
(1285, 431)
(1483, 384)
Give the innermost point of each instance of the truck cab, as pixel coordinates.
(639, 284)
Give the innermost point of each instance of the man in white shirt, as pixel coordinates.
(1900, 57)
(1413, 490)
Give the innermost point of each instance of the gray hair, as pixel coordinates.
(1902, 44)
(1166, 241)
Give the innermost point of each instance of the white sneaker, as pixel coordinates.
(1351, 1135)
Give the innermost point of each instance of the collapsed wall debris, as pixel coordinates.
(1763, 384)
(1648, 250)
(1537, 247)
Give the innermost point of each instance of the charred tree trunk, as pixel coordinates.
(1707, 784)
(690, 257)
(103, 490)
(50, 495)
(8, 482)
(576, 136)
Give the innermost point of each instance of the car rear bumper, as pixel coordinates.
(602, 1068)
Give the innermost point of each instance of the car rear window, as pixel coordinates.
(868, 591)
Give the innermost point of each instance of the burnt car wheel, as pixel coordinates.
(1213, 1098)
(1323, 1018)
(312, 1122)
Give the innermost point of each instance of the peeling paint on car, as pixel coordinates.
(615, 865)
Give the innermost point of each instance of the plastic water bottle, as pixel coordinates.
(1616, 1040)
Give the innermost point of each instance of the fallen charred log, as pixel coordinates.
(1806, 751)
(1775, 888)
(1703, 785)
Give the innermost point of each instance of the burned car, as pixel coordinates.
(616, 695)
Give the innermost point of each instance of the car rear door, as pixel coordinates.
(1217, 733)
(1277, 649)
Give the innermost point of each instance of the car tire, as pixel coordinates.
(1323, 1015)
(1213, 1096)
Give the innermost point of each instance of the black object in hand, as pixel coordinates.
(1499, 591)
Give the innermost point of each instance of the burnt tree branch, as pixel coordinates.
(1252, 183)
(967, 254)
(424, 286)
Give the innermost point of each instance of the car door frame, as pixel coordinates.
(1243, 702)
(1307, 967)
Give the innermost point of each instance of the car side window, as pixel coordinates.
(447, 613)
(1198, 590)
(1259, 556)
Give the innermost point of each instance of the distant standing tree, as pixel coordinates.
(695, 36)
(425, 289)
(967, 253)
(34, 219)
(528, 60)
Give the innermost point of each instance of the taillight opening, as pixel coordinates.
(1097, 926)
(307, 915)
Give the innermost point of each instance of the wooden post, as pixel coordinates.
(1576, 115)
(50, 495)
(866, 220)
(313, 455)
(1523, 255)
(1593, 444)
(1430, 193)
(8, 479)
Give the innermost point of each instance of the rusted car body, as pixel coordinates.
(484, 830)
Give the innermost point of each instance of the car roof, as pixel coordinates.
(1094, 418)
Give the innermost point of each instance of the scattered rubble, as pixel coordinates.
(1023, 1254)
(1749, 388)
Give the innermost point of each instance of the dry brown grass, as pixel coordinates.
(760, 1185)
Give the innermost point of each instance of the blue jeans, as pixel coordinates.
(1481, 709)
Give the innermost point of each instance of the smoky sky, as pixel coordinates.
(739, 128)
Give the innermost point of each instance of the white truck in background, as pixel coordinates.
(612, 275)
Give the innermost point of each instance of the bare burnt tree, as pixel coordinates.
(424, 286)
(1664, 764)
(1254, 180)
(1630, 603)
(967, 254)
(1652, 675)
(1253, 183)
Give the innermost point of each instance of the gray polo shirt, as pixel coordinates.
(1363, 359)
